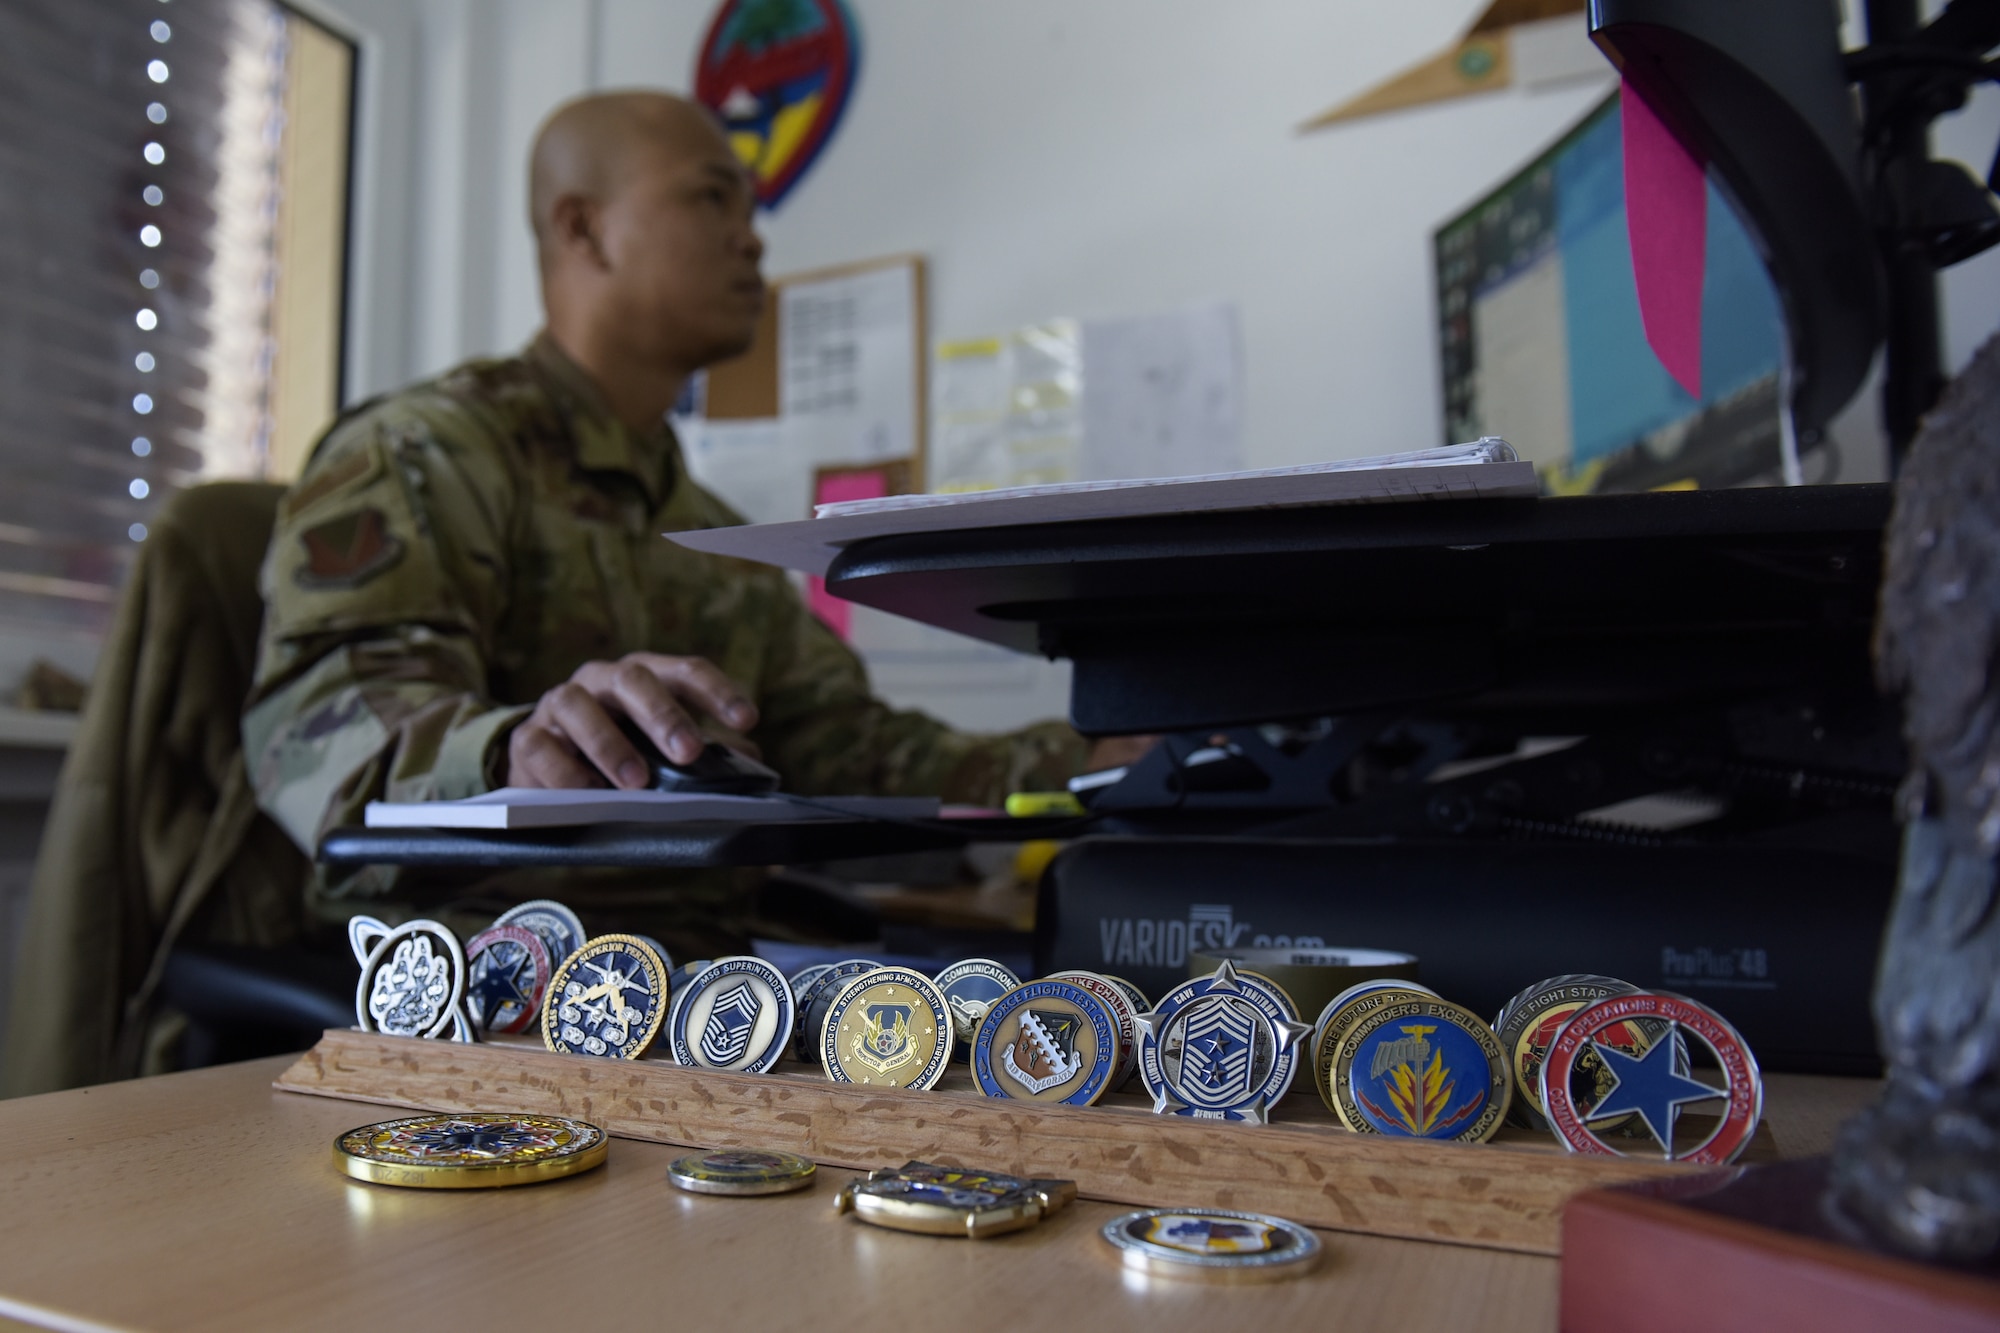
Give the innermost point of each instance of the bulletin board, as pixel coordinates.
(839, 360)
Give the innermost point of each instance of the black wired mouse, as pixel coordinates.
(717, 768)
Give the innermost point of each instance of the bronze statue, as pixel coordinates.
(1919, 1172)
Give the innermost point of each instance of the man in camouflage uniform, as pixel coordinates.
(468, 582)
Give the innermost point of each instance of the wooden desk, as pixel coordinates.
(208, 1200)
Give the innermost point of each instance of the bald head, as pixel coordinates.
(595, 145)
(643, 225)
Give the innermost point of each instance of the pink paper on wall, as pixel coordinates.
(1666, 216)
(837, 613)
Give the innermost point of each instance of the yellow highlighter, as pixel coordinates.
(1026, 804)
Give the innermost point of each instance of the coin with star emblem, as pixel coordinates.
(736, 1015)
(1653, 1085)
(1531, 1021)
(560, 928)
(609, 998)
(470, 1150)
(1047, 1041)
(412, 982)
(1420, 1067)
(889, 1028)
(1218, 1244)
(742, 1171)
(507, 974)
(1218, 1048)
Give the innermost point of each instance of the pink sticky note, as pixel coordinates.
(1666, 216)
(836, 612)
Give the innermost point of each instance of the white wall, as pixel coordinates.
(1049, 157)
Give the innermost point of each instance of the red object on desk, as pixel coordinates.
(1747, 1249)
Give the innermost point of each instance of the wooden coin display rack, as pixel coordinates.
(1507, 1194)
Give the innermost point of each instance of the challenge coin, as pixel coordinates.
(814, 1001)
(1530, 1022)
(560, 928)
(969, 988)
(950, 1201)
(1652, 1085)
(470, 1150)
(679, 977)
(742, 1171)
(1421, 1068)
(1120, 1003)
(412, 982)
(607, 999)
(1140, 1004)
(1214, 1243)
(890, 1028)
(507, 974)
(362, 933)
(736, 1014)
(1218, 1049)
(1047, 1041)
(1340, 1015)
(805, 977)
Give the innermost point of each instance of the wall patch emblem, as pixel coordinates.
(778, 73)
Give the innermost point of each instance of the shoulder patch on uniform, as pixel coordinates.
(357, 466)
(348, 551)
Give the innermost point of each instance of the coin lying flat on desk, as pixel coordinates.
(472, 1150)
(1214, 1243)
(742, 1171)
(949, 1201)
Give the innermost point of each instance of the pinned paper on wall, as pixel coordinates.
(749, 465)
(849, 344)
(1089, 400)
(832, 486)
(1162, 395)
(1005, 409)
(1666, 216)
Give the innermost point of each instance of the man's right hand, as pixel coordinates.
(572, 739)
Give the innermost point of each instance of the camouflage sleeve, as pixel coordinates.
(382, 584)
(826, 733)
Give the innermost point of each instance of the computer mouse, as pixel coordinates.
(717, 768)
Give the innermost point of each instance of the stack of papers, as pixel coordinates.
(525, 807)
(1484, 469)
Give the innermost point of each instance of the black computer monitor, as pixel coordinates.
(1541, 339)
(1759, 91)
